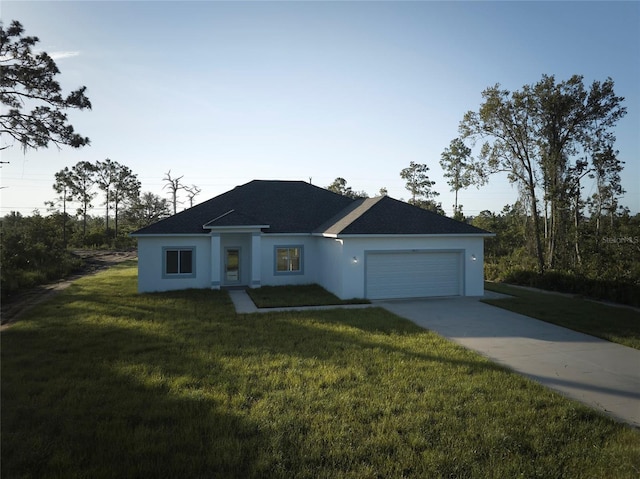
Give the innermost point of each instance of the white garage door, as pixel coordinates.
(413, 274)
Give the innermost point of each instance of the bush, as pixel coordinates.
(617, 291)
(32, 253)
(61, 264)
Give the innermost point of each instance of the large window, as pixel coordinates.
(178, 262)
(289, 259)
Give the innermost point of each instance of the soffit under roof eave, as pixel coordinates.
(420, 235)
(163, 235)
(239, 229)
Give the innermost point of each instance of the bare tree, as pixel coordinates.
(174, 186)
(192, 192)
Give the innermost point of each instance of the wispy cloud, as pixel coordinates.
(60, 55)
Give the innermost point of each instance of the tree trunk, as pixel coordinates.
(536, 223)
(115, 220)
(551, 245)
(84, 221)
(576, 225)
(64, 218)
(106, 231)
(546, 218)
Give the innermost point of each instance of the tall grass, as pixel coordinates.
(102, 382)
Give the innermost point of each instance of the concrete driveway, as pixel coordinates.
(601, 374)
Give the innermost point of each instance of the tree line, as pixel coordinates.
(38, 248)
(116, 187)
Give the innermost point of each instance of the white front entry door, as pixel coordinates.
(231, 265)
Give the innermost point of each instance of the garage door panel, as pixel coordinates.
(413, 274)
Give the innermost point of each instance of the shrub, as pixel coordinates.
(617, 291)
(32, 253)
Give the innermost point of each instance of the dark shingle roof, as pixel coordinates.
(299, 207)
(392, 217)
(286, 206)
(347, 216)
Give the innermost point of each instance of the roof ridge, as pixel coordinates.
(218, 217)
(348, 215)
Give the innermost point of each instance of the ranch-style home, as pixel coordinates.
(291, 232)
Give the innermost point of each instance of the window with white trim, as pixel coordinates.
(289, 259)
(178, 262)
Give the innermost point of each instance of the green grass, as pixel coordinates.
(300, 295)
(101, 382)
(617, 324)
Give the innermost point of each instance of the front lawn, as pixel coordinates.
(617, 324)
(299, 295)
(101, 382)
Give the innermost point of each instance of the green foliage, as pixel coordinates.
(178, 385)
(28, 79)
(608, 267)
(509, 226)
(418, 184)
(617, 291)
(547, 137)
(340, 187)
(32, 253)
(119, 184)
(34, 250)
(147, 209)
(458, 166)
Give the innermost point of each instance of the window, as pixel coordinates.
(289, 259)
(178, 262)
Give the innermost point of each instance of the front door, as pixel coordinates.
(232, 265)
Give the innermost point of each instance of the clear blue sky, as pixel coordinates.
(227, 92)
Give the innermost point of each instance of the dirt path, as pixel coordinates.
(95, 261)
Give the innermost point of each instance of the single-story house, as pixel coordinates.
(291, 232)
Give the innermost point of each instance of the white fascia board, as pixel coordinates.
(235, 229)
(288, 234)
(457, 235)
(168, 235)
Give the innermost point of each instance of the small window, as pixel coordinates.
(289, 259)
(178, 261)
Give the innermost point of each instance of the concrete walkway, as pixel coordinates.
(242, 301)
(598, 373)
